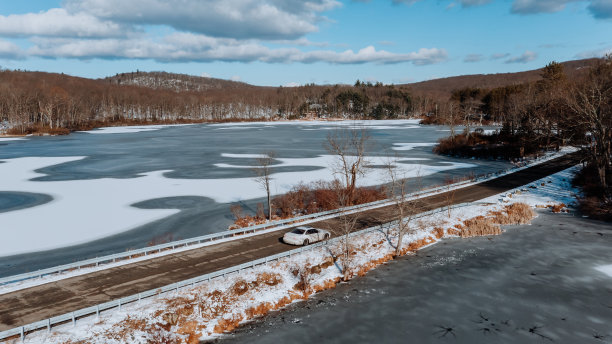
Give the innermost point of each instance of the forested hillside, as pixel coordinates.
(37, 102)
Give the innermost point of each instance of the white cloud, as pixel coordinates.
(600, 9)
(235, 78)
(499, 56)
(526, 57)
(464, 3)
(201, 31)
(9, 50)
(291, 84)
(205, 75)
(191, 47)
(262, 19)
(471, 58)
(471, 3)
(59, 23)
(594, 53)
(539, 6)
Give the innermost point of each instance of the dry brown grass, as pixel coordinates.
(558, 208)
(226, 325)
(123, 330)
(513, 214)
(373, 264)
(519, 214)
(480, 226)
(438, 232)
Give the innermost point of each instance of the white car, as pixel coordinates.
(304, 235)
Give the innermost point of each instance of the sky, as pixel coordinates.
(295, 42)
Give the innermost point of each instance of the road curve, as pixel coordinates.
(41, 302)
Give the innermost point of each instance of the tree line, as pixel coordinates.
(548, 113)
(33, 102)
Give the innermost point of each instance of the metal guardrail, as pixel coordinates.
(118, 303)
(277, 225)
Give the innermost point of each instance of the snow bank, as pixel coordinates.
(205, 311)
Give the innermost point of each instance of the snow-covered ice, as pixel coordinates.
(411, 145)
(79, 209)
(247, 156)
(130, 129)
(2, 139)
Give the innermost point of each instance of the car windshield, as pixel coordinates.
(298, 231)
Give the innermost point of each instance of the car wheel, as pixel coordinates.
(306, 242)
(326, 236)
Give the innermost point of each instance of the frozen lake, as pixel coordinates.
(111, 189)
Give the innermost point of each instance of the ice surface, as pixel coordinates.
(85, 210)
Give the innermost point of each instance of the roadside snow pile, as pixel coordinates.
(207, 310)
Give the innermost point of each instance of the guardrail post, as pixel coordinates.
(73, 320)
(119, 304)
(139, 297)
(49, 325)
(22, 334)
(98, 312)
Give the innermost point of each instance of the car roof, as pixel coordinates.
(305, 227)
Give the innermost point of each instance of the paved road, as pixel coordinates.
(41, 302)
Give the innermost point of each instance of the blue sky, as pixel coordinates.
(293, 42)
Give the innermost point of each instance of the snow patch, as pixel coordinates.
(411, 145)
(606, 269)
(130, 129)
(245, 156)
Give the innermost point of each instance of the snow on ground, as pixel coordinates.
(79, 209)
(204, 311)
(411, 145)
(130, 129)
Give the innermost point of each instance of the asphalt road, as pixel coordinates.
(44, 301)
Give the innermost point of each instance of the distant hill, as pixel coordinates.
(436, 88)
(174, 82)
(445, 86)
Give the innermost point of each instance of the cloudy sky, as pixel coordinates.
(290, 42)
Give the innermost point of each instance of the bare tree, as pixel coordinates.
(404, 210)
(343, 228)
(263, 170)
(592, 106)
(349, 146)
(449, 195)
